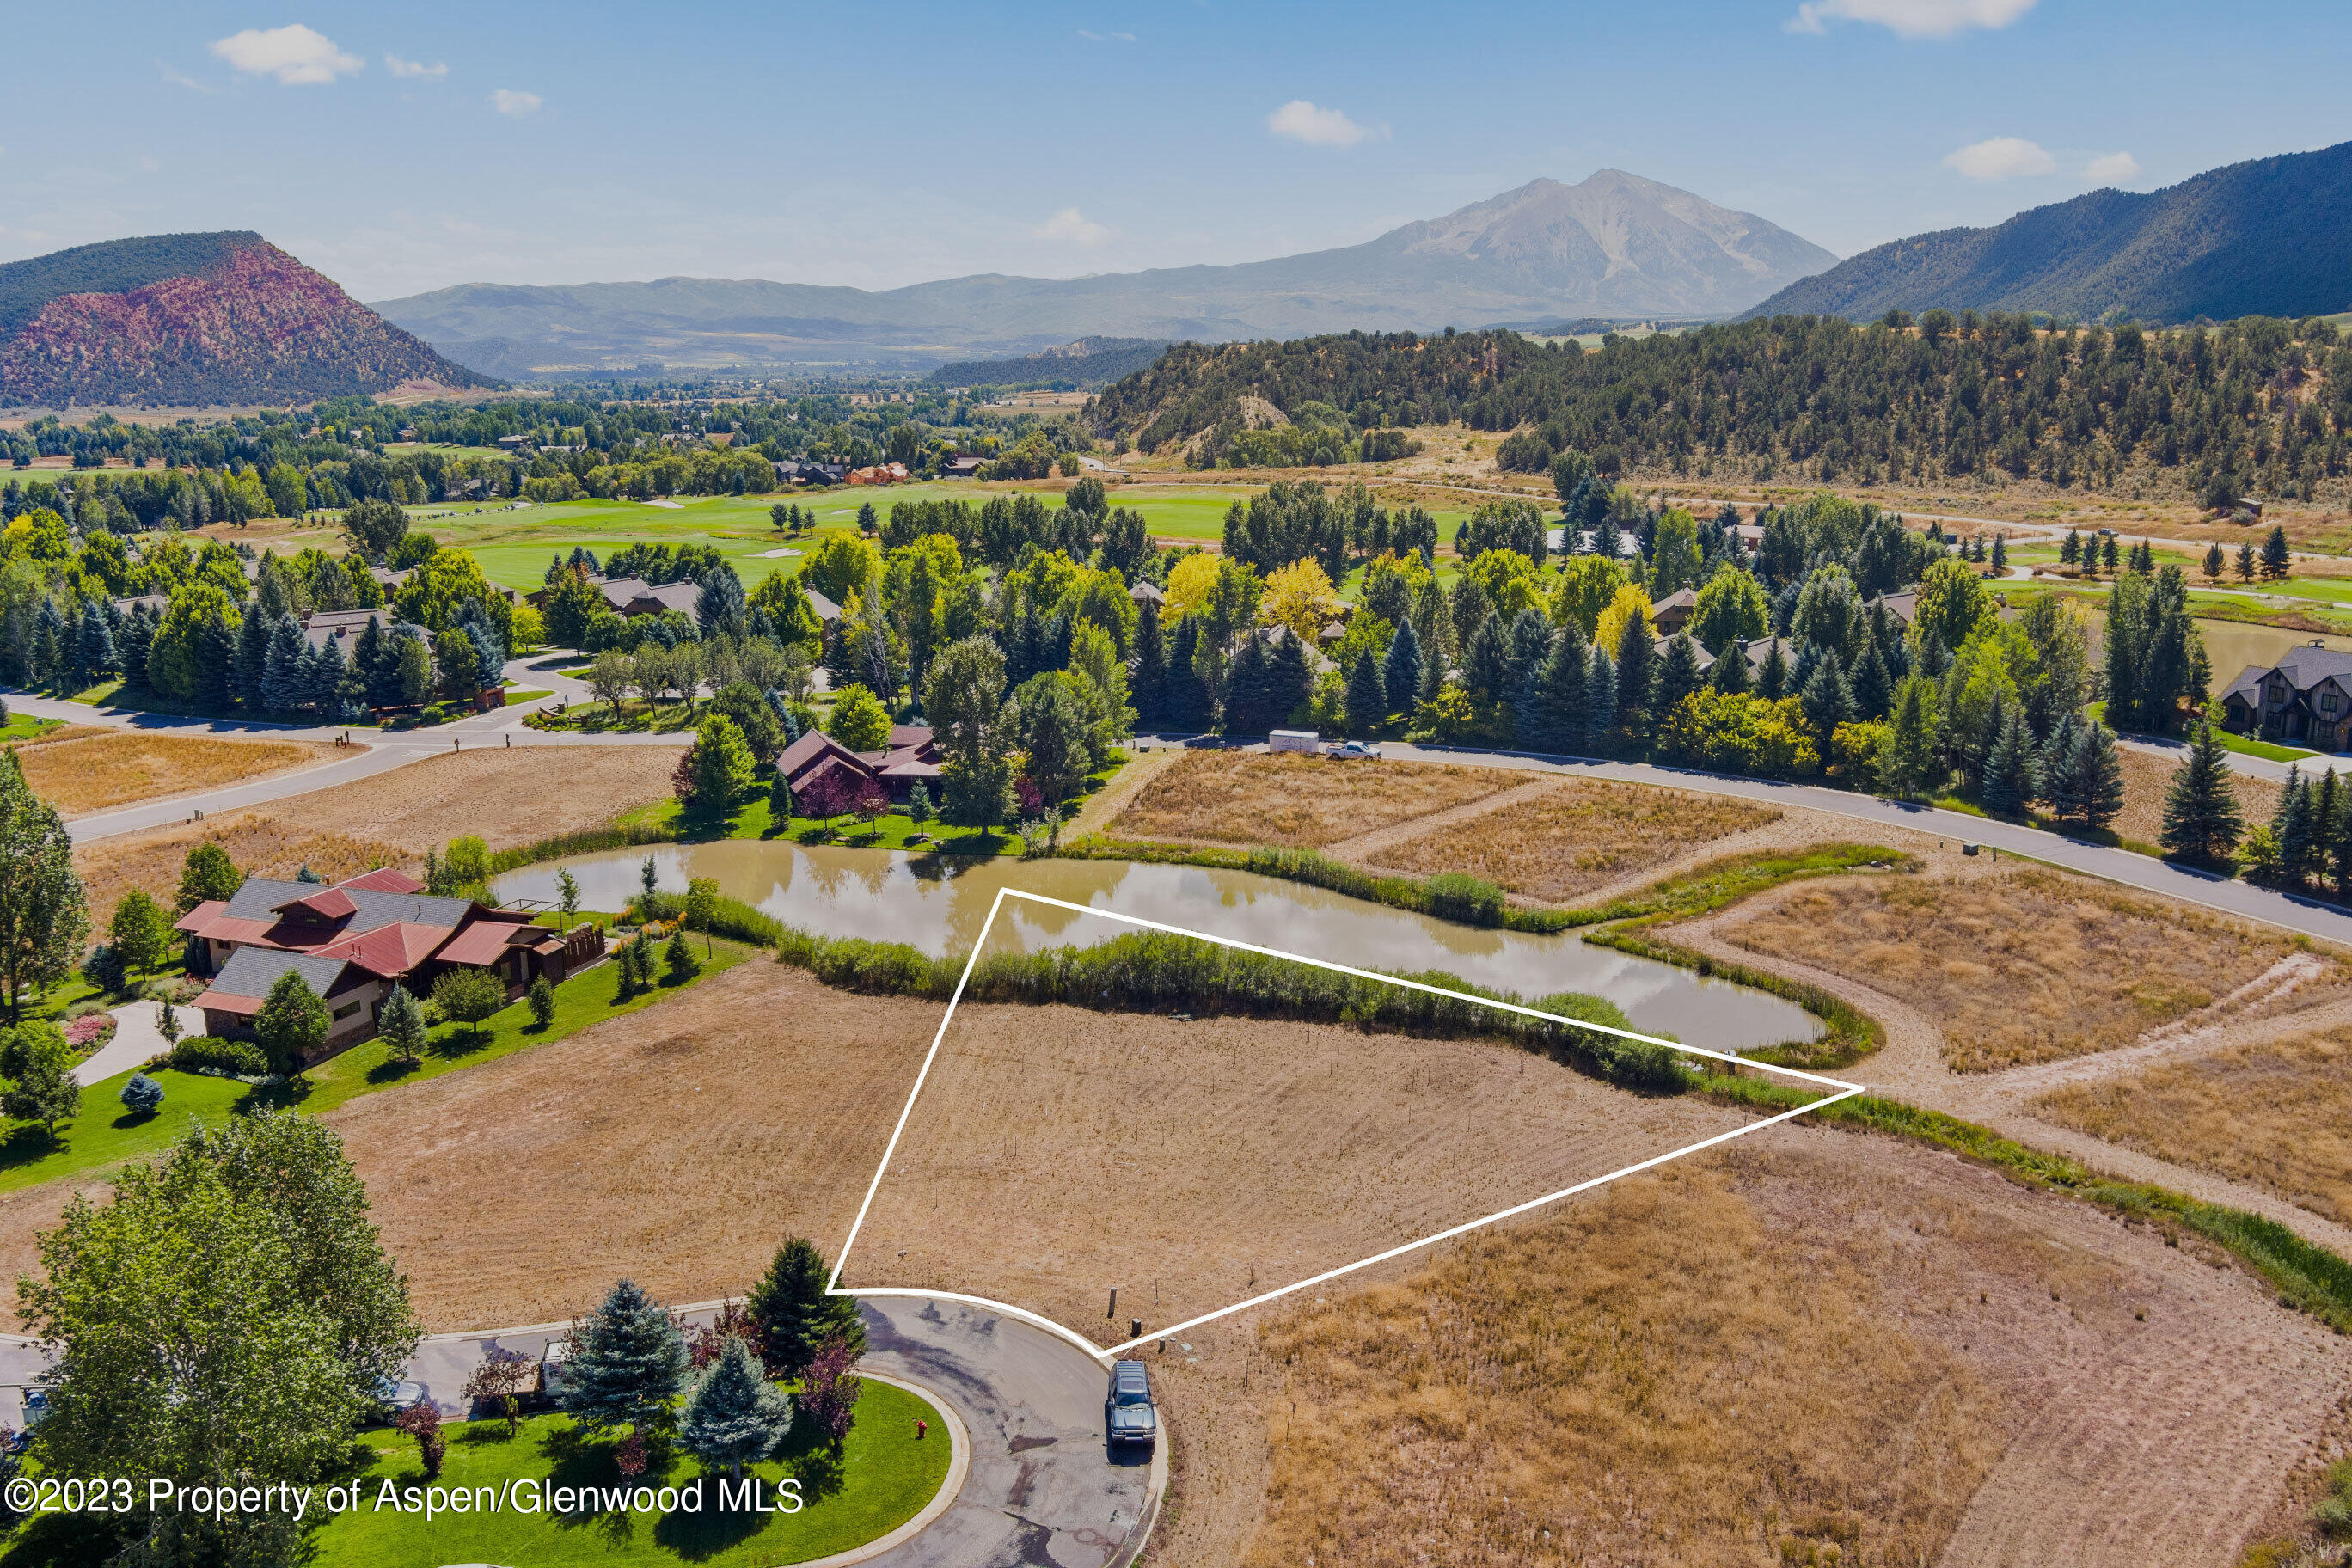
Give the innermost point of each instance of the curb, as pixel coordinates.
(950, 1487)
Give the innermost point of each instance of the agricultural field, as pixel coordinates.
(2022, 966)
(1294, 800)
(2275, 1114)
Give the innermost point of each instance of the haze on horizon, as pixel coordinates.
(400, 153)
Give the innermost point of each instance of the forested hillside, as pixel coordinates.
(1089, 361)
(2270, 236)
(2256, 405)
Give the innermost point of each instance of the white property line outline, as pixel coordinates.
(833, 1286)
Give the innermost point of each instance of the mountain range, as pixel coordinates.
(1614, 246)
(2272, 236)
(195, 320)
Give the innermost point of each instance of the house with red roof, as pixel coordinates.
(910, 757)
(352, 941)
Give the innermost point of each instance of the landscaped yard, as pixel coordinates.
(102, 1136)
(884, 1476)
(25, 727)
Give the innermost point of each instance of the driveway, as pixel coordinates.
(136, 1038)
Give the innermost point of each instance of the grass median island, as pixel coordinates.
(104, 1136)
(883, 1476)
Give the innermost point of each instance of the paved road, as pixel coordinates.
(1041, 1489)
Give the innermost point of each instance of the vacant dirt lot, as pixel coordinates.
(1238, 1154)
(2277, 1115)
(1814, 1339)
(1245, 797)
(96, 772)
(506, 796)
(2016, 966)
(1571, 837)
(2146, 778)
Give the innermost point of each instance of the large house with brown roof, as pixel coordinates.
(911, 758)
(2305, 697)
(352, 941)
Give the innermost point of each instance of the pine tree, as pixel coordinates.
(1368, 699)
(1827, 699)
(2245, 562)
(1486, 663)
(2216, 562)
(2275, 557)
(2009, 785)
(1290, 680)
(401, 1023)
(2101, 776)
(2070, 552)
(1185, 703)
(1873, 684)
(627, 1362)
(1247, 696)
(1676, 677)
(1637, 659)
(1772, 680)
(1561, 721)
(2291, 827)
(2200, 811)
(96, 655)
(2107, 554)
(1907, 761)
(1729, 672)
(793, 1314)
(1601, 703)
(735, 1417)
(281, 671)
(2000, 553)
(1401, 669)
(1148, 688)
(215, 663)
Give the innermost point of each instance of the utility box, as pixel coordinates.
(1306, 740)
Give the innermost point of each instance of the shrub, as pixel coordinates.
(213, 1054)
(1459, 895)
(678, 957)
(541, 1000)
(468, 996)
(142, 1096)
(105, 970)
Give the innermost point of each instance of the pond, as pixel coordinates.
(939, 903)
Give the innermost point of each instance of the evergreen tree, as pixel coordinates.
(1601, 703)
(2070, 552)
(2009, 785)
(252, 649)
(53, 644)
(1637, 659)
(2276, 559)
(1772, 680)
(1485, 661)
(310, 675)
(2101, 773)
(1676, 677)
(401, 1022)
(215, 661)
(793, 1314)
(1401, 671)
(2056, 765)
(2245, 562)
(2200, 811)
(1528, 644)
(627, 1362)
(1148, 688)
(1827, 699)
(96, 655)
(2291, 827)
(1248, 695)
(2001, 553)
(1290, 678)
(1874, 685)
(2107, 554)
(735, 1417)
(1368, 699)
(1560, 720)
(1907, 763)
(281, 669)
(1185, 703)
(1729, 673)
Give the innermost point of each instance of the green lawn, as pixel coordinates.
(24, 727)
(884, 1476)
(752, 820)
(102, 1136)
(2248, 745)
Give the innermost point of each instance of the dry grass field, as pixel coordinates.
(2146, 778)
(2017, 966)
(1574, 836)
(94, 772)
(1285, 798)
(1642, 1378)
(1238, 1154)
(2276, 1115)
(506, 796)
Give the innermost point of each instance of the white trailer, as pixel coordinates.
(1306, 740)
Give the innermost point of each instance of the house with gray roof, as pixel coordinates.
(2305, 697)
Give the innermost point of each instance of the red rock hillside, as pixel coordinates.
(195, 320)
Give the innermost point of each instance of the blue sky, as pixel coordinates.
(404, 148)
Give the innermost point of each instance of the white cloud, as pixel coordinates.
(2001, 158)
(1067, 225)
(2108, 168)
(399, 67)
(1910, 18)
(1303, 121)
(1094, 37)
(181, 78)
(293, 54)
(516, 104)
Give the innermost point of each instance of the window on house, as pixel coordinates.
(2327, 703)
(346, 1010)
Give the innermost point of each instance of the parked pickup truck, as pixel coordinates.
(1128, 1414)
(1352, 749)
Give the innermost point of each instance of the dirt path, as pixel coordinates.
(1365, 847)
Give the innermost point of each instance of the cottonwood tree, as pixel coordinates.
(228, 1313)
(292, 1022)
(207, 874)
(139, 931)
(37, 1066)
